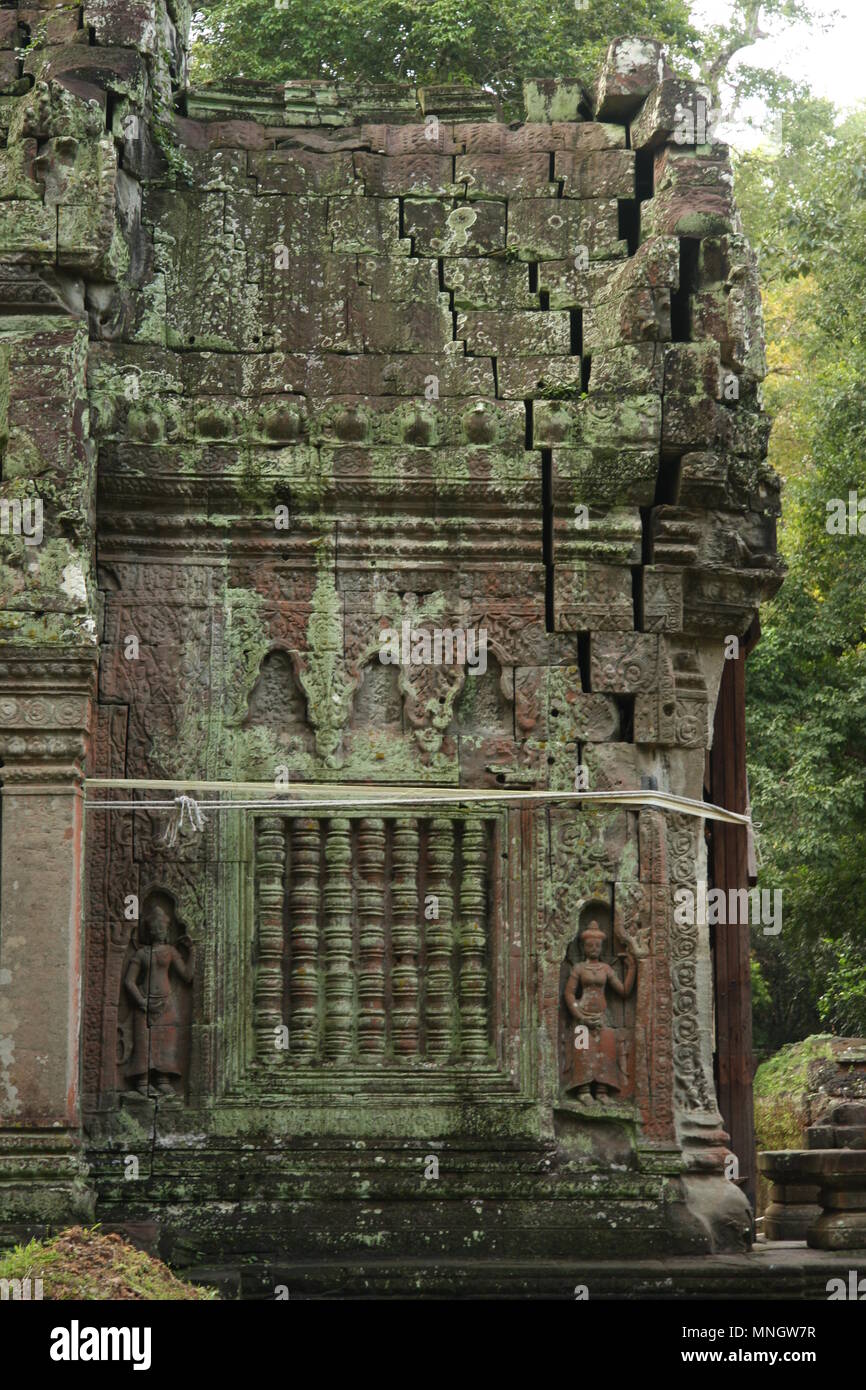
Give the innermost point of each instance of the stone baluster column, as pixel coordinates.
(473, 941)
(371, 914)
(440, 940)
(405, 937)
(337, 936)
(304, 929)
(268, 991)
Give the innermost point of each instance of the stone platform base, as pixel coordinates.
(43, 1184)
(787, 1270)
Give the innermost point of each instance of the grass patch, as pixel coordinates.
(787, 1072)
(83, 1263)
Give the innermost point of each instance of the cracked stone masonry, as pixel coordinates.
(288, 366)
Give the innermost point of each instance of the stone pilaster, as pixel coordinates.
(45, 711)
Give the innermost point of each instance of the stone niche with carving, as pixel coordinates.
(353, 377)
(597, 1059)
(153, 1017)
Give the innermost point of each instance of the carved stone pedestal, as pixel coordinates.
(793, 1209)
(840, 1175)
(842, 1223)
(793, 1204)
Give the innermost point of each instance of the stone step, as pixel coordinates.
(850, 1112)
(788, 1270)
(836, 1137)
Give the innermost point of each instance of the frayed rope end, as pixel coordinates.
(186, 808)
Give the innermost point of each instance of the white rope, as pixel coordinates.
(757, 829)
(345, 796)
(184, 807)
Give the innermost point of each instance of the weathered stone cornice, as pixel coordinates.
(36, 671)
(45, 715)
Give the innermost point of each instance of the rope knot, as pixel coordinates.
(186, 809)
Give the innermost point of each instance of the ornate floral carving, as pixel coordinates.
(694, 1089)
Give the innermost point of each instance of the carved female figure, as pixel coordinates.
(592, 1058)
(156, 1017)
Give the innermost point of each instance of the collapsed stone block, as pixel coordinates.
(632, 68)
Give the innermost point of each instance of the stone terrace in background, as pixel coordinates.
(295, 365)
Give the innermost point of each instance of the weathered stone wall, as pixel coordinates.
(305, 364)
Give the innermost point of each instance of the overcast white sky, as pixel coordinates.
(834, 62)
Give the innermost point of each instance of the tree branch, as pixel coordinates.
(744, 38)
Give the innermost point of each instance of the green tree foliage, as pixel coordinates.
(490, 43)
(806, 212)
(746, 23)
(495, 43)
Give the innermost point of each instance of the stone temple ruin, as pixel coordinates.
(291, 372)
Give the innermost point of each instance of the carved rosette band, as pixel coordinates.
(694, 1091)
(43, 734)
